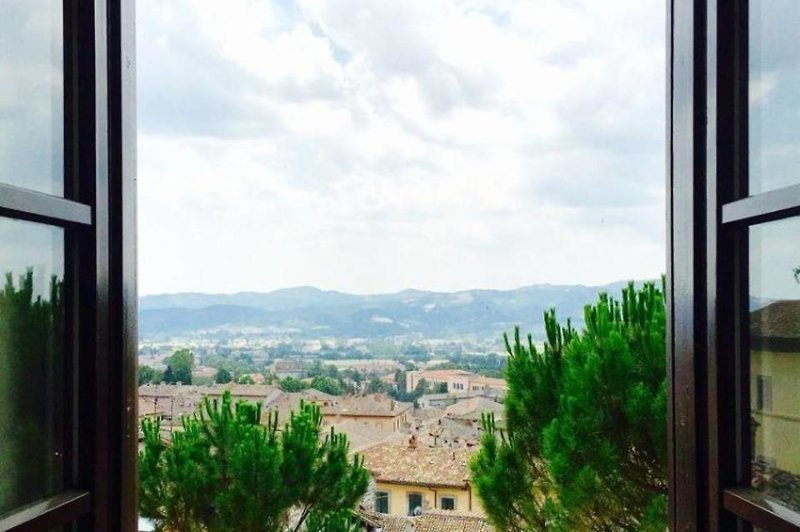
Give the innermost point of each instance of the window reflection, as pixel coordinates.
(775, 360)
(31, 361)
(32, 95)
(774, 123)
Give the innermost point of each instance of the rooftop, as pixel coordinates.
(779, 319)
(421, 465)
(436, 521)
(376, 405)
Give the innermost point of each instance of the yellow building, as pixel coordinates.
(378, 411)
(775, 386)
(411, 479)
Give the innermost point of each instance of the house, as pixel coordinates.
(774, 396)
(283, 368)
(457, 381)
(411, 478)
(375, 410)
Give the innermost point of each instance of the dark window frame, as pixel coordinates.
(98, 211)
(385, 495)
(449, 498)
(709, 213)
(410, 509)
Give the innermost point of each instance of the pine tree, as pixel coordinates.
(585, 443)
(31, 358)
(227, 471)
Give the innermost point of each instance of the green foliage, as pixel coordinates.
(327, 384)
(179, 367)
(585, 443)
(290, 384)
(31, 363)
(245, 379)
(375, 385)
(226, 471)
(223, 376)
(148, 375)
(440, 388)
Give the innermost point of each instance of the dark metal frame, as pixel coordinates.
(709, 213)
(98, 212)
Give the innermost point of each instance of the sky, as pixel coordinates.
(371, 146)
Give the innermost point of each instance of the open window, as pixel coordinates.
(734, 275)
(67, 260)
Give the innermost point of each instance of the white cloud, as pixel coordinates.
(373, 146)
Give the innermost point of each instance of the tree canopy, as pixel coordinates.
(226, 471)
(223, 376)
(179, 367)
(584, 447)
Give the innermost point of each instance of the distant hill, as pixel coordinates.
(311, 312)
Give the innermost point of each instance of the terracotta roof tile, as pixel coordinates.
(780, 319)
(427, 466)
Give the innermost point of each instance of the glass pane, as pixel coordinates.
(775, 359)
(32, 95)
(774, 94)
(31, 363)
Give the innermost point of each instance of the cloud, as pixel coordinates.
(373, 146)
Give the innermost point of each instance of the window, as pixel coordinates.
(763, 393)
(414, 503)
(382, 502)
(67, 265)
(734, 272)
(447, 503)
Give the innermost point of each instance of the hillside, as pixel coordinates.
(311, 312)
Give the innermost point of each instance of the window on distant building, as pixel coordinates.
(414, 503)
(382, 502)
(447, 503)
(763, 393)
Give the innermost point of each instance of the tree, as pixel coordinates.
(585, 441)
(375, 385)
(441, 387)
(265, 472)
(290, 384)
(245, 379)
(31, 376)
(421, 388)
(327, 384)
(148, 375)
(179, 367)
(223, 376)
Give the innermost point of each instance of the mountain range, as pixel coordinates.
(311, 312)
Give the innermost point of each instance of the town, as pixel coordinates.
(417, 429)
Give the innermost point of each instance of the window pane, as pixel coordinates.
(32, 95)
(382, 502)
(414, 503)
(775, 359)
(774, 94)
(31, 364)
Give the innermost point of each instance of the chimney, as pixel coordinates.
(394, 404)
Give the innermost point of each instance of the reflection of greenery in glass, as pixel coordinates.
(31, 338)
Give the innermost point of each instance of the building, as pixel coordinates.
(375, 410)
(774, 374)
(411, 478)
(288, 367)
(457, 381)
